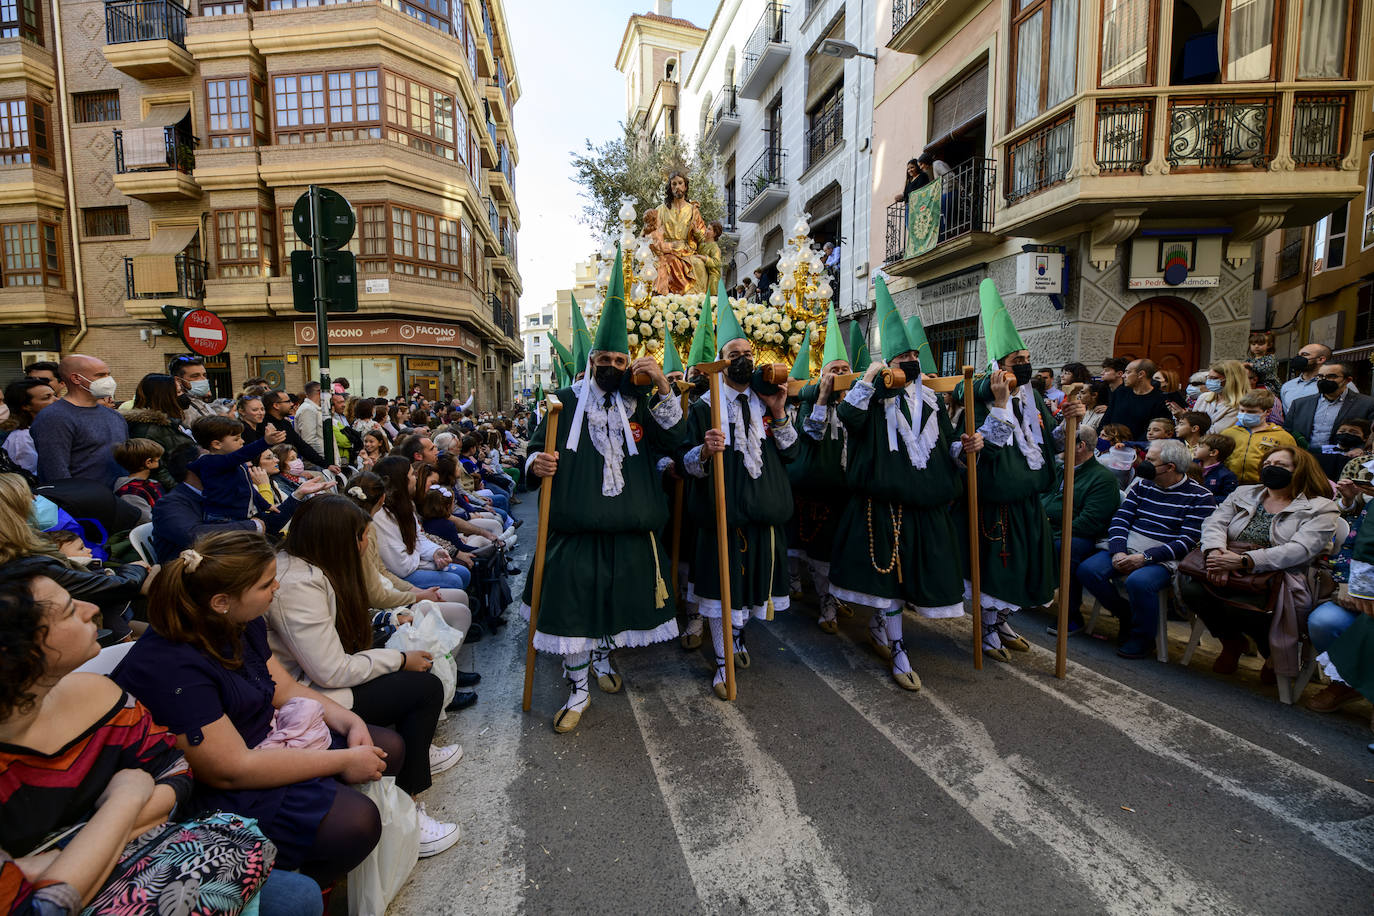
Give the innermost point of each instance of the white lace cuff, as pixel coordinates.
(1361, 583)
(667, 412)
(860, 393)
(663, 464)
(814, 423)
(997, 428)
(785, 436)
(693, 464)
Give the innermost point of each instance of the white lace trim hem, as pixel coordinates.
(626, 639)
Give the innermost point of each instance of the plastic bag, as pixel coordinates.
(380, 876)
(430, 633)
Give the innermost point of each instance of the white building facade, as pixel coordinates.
(538, 361)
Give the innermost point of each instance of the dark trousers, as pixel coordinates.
(410, 703)
(1227, 621)
(1079, 550)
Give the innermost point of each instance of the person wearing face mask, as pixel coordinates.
(1282, 524)
(1305, 365)
(75, 436)
(892, 542)
(755, 444)
(1254, 436)
(1197, 384)
(1226, 383)
(1022, 436)
(193, 387)
(605, 581)
(1158, 523)
(1315, 419)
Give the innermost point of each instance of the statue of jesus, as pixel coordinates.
(680, 268)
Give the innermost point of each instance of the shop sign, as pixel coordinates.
(370, 333)
(422, 365)
(1039, 273)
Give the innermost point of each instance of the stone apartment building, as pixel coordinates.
(156, 152)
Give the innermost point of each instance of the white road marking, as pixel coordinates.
(754, 851)
(1123, 873)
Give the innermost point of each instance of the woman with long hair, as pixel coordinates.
(205, 671)
(25, 398)
(250, 411)
(1226, 385)
(157, 415)
(1168, 383)
(400, 541)
(472, 520)
(320, 628)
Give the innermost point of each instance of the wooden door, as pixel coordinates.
(1163, 331)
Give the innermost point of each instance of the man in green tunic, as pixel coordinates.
(1015, 544)
(605, 570)
(893, 543)
(756, 442)
(819, 488)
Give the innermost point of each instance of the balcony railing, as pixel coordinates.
(145, 20)
(825, 131)
(765, 173)
(191, 273)
(1039, 159)
(903, 11)
(728, 217)
(967, 200)
(727, 107)
(1290, 259)
(770, 30)
(1221, 133)
(1320, 127)
(178, 151)
(1123, 135)
(493, 219)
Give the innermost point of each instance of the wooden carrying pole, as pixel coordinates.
(541, 541)
(722, 534)
(1061, 648)
(675, 537)
(974, 575)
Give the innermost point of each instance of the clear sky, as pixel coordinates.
(570, 92)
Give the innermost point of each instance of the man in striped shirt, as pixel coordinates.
(1159, 521)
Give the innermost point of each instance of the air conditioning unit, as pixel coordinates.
(489, 364)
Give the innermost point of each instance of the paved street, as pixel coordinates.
(1129, 787)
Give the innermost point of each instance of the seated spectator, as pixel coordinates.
(1158, 523)
(417, 447)
(1197, 384)
(1095, 398)
(290, 472)
(320, 630)
(1283, 523)
(478, 526)
(1330, 619)
(1353, 438)
(1115, 452)
(75, 435)
(156, 415)
(121, 773)
(23, 547)
(1191, 426)
(375, 448)
(24, 398)
(263, 472)
(1315, 419)
(1095, 499)
(1159, 428)
(1211, 455)
(250, 411)
(204, 670)
(1275, 414)
(1167, 383)
(228, 490)
(401, 542)
(179, 517)
(1253, 436)
(140, 458)
(1226, 384)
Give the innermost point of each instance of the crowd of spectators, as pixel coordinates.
(199, 593)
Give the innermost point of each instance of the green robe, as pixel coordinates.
(605, 567)
(1016, 546)
(889, 491)
(819, 489)
(756, 511)
(1095, 500)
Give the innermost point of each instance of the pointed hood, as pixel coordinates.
(704, 337)
(891, 331)
(858, 348)
(916, 336)
(1002, 336)
(563, 361)
(834, 340)
(671, 361)
(801, 369)
(727, 325)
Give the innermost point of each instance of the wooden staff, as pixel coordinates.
(712, 371)
(975, 577)
(675, 536)
(541, 541)
(1061, 649)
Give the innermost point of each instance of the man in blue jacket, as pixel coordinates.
(179, 517)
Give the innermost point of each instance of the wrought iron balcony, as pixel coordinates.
(1221, 133)
(764, 185)
(176, 151)
(145, 20)
(1123, 135)
(723, 123)
(1040, 159)
(1321, 124)
(967, 205)
(190, 280)
(903, 11)
(825, 131)
(765, 52)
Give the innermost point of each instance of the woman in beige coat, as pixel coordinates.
(1287, 521)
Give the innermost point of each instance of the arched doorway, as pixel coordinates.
(1163, 331)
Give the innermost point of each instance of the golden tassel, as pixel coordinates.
(660, 587)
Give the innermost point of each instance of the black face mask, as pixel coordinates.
(183, 401)
(1023, 373)
(1299, 363)
(911, 368)
(700, 385)
(1348, 441)
(1328, 385)
(740, 370)
(1275, 476)
(1146, 470)
(608, 378)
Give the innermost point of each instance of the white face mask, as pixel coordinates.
(200, 387)
(103, 387)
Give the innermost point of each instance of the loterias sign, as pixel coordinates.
(363, 333)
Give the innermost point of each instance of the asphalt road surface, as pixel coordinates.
(1129, 787)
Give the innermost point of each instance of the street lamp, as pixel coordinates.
(844, 50)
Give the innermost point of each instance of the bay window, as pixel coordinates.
(30, 254)
(1249, 40)
(1324, 39)
(1127, 58)
(24, 133)
(244, 243)
(1044, 56)
(236, 111)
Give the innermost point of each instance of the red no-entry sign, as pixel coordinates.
(204, 333)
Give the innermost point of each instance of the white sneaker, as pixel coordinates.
(510, 539)
(444, 758)
(435, 836)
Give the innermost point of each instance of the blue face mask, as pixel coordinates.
(1214, 384)
(1249, 420)
(1194, 391)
